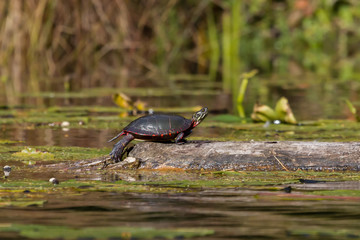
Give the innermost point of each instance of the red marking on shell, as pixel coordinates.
(170, 134)
(153, 135)
(162, 135)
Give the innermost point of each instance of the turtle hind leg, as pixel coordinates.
(118, 148)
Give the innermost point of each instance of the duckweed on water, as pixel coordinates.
(44, 187)
(22, 203)
(49, 153)
(118, 232)
(320, 233)
(6, 142)
(339, 192)
(32, 154)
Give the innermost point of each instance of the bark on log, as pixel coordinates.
(319, 156)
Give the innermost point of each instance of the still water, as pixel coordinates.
(230, 213)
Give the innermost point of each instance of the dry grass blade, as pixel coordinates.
(282, 165)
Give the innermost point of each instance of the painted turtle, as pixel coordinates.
(156, 127)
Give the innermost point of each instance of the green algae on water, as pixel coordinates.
(324, 233)
(50, 153)
(22, 203)
(119, 232)
(33, 154)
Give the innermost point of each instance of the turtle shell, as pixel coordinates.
(158, 125)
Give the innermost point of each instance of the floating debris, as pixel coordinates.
(54, 181)
(127, 163)
(65, 124)
(287, 189)
(7, 170)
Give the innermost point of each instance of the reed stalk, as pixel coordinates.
(226, 52)
(231, 68)
(214, 47)
(236, 24)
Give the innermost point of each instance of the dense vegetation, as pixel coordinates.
(69, 45)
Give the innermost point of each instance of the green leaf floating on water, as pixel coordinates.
(67, 233)
(263, 113)
(282, 112)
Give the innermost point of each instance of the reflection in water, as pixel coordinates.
(58, 137)
(232, 213)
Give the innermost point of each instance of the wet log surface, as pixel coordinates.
(282, 155)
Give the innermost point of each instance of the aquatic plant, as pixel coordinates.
(241, 92)
(352, 110)
(282, 112)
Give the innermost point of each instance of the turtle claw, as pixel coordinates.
(116, 153)
(114, 157)
(181, 141)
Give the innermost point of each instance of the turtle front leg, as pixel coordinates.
(118, 148)
(180, 138)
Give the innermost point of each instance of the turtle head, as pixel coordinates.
(199, 116)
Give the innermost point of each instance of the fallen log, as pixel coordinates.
(279, 155)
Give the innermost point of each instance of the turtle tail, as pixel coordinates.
(122, 133)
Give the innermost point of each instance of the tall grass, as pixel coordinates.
(50, 45)
(214, 46)
(231, 33)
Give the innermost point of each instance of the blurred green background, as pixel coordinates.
(74, 45)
